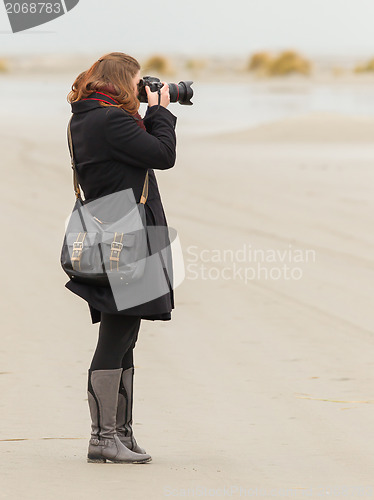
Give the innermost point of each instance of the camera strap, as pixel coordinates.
(159, 100)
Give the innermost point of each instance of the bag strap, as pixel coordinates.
(144, 195)
(77, 191)
(75, 178)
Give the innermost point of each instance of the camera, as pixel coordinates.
(181, 92)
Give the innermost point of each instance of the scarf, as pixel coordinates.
(110, 89)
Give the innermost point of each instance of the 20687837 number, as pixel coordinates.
(33, 8)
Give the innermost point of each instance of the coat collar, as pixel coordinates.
(91, 102)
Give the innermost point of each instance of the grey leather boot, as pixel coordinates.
(103, 387)
(124, 411)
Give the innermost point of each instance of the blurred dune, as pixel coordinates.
(262, 65)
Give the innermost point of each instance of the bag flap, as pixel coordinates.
(89, 239)
(127, 241)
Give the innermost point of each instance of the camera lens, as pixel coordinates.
(181, 93)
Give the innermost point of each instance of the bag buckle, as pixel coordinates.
(116, 246)
(77, 250)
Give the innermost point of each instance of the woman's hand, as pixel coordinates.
(152, 97)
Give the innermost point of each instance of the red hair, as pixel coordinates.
(113, 73)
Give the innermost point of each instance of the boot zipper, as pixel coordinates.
(90, 388)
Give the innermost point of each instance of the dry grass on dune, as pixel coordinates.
(365, 68)
(159, 64)
(196, 64)
(288, 61)
(3, 66)
(259, 61)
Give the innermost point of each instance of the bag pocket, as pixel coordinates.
(118, 250)
(83, 252)
(124, 254)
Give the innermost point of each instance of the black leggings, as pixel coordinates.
(118, 334)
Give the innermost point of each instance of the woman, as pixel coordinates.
(113, 150)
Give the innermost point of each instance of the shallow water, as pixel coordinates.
(216, 107)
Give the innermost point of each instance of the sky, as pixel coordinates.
(201, 27)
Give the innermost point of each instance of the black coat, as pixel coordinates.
(112, 153)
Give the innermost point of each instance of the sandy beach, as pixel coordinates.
(263, 382)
